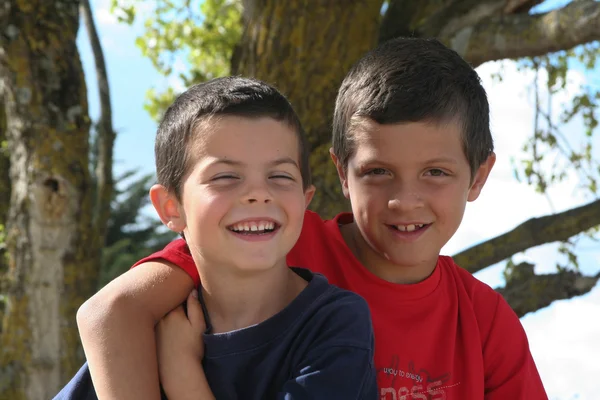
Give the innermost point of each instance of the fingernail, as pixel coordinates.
(195, 293)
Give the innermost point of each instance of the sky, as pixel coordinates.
(564, 336)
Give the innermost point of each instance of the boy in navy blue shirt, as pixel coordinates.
(233, 178)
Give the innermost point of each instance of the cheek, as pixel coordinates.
(205, 209)
(294, 203)
(450, 202)
(368, 198)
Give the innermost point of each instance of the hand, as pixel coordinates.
(179, 344)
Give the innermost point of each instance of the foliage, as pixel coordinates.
(191, 41)
(549, 155)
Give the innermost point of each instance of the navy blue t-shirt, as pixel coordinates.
(319, 347)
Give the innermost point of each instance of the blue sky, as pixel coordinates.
(563, 336)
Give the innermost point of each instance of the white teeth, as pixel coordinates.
(257, 226)
(409, 228)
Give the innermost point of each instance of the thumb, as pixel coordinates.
(195, 314)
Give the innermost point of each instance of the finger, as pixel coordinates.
(195, 314)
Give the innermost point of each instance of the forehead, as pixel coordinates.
(407, 141)
(241, 138)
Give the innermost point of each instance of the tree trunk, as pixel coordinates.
(49, 230)
(305, 48)
(104, 184)
(4, 204)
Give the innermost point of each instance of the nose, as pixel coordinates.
(257, 192)
(405, 198)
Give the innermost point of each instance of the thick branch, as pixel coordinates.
(531, 233)
(106, 134)
(524, 35)
(433, 18)
(528, 292)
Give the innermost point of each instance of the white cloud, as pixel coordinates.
(564, 343)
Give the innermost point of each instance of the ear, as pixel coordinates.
(308, 195)
(168, 208)
(341, 173)
(481, 177)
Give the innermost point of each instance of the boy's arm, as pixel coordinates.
(510, 372)
(180, 351)
(339, 363)
(116, 326)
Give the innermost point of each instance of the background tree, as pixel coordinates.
(54, 218)
(305, 47)
(131, 234)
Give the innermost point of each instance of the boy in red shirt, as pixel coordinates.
(412, 145)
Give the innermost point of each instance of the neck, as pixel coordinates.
(379, 265)
(235, 299)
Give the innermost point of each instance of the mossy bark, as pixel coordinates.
(49, 223)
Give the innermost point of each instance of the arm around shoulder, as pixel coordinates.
(339, 362)
(510, 371)
(116, 326)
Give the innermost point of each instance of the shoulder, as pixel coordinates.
(474, 288)
(496, 320)
(341, 315)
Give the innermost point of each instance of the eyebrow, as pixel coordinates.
(441, 160)
(274, 163)
(437, 160)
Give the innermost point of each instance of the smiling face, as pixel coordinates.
(408, 184)
(243, 202)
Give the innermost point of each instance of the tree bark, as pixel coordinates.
(50, 233)
(531, 233)
(4, 205)
(305, 48)
(526, 292)
(490, 30)
(524, 35)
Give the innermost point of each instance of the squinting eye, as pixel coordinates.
(224, 177)
(287, 177)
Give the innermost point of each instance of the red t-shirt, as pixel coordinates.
(447, 337)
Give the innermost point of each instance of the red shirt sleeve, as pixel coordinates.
(510, 372)
(177, 252)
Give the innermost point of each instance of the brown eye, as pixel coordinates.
(377, 171)
(437, 172)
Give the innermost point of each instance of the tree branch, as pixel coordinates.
(531, 233)
(529, 292)
(106, 133)
(524, 35)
